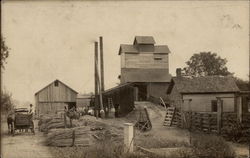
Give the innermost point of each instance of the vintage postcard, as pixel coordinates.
(125, 79)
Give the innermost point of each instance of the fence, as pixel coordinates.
(210, 122)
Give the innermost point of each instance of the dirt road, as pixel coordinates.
(23, 145)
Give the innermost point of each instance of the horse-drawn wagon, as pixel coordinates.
(22, 121)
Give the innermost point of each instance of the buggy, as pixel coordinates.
(23, 120)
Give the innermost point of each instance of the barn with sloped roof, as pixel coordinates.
(54, 97)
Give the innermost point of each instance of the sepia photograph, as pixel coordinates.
(125, 79)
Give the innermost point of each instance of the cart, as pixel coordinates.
(23, 120)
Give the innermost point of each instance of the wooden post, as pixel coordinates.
(128, 137)
(239, 108)
(219, 115)
(70, 120)
(65, 120)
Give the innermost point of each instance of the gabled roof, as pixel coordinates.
(144, 40)
(207, 84)
(128, 48)
(161, 49)
(52, 83)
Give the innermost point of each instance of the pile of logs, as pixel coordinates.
(53, 123)
(89, 131)
(79, 136)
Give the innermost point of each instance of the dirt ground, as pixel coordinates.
(23, 145)
(27, 145)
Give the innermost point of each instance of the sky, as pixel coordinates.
(55, 39)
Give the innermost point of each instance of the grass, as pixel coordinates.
(202, 145)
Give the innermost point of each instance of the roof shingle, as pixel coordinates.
(207, 84)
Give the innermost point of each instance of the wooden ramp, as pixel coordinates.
(169, 116)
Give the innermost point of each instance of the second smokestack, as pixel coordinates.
(101, 63)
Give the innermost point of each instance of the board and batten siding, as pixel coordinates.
(56, 94)
(144, 60)
(48, 108)
(52, 99)
(202, 102)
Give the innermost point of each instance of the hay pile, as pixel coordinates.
(91, 130)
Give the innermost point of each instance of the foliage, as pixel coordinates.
(159, 142)
(206, 64)
(211, 146)
(242, 84)
(6, 102)
(236, 132)
(4, 52)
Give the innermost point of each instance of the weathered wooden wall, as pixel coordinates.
(144, 60)
(157, 90)
(82, 102)
(50, 108)
(202, 102)
(56, 94)
(53, 99)
(123, 96)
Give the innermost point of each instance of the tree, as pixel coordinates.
(243, 85)
(4, 52)
(206, 64)
(6, 102)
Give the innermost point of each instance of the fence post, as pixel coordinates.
(239, 108)
(65, 120)
(128, 137)
(219, 115)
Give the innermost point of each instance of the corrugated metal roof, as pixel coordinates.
(145, 75)
(144, 40)
(207, 84)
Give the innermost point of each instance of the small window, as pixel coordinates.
(214, 106)
(56, 83)
(157, 58)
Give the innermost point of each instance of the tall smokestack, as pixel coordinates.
(96, 78)
(101, 63)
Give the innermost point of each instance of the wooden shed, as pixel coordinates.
(54, 97)
(199, 94)
(122, 98)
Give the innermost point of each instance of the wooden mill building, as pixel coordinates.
(54, 97)
(146, 65)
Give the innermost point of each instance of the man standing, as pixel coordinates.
(31, 112)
